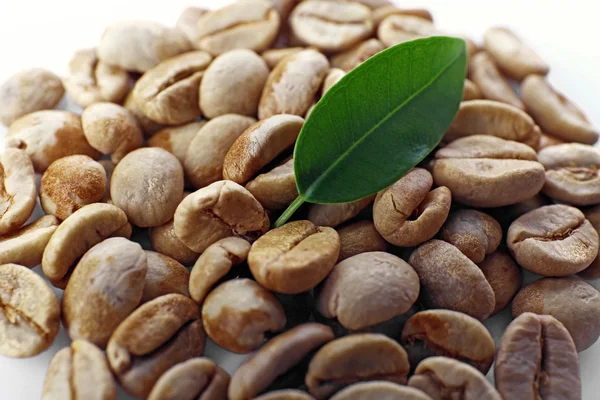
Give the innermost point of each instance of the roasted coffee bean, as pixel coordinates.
(537, 359)
(484, 73)
(288, 394)
(29, 312)
(105, 287)
(176, 139)
(331, 26)
(477, 117)
(47, 136)
(140, 45)
(407, 213)
(359, 237)
(451, 334)
(251, 24)
(293, 83)
(450, 280)
(92, 81)
(214, 263)
(168, 93)
(17, 190)
(198, 378)
(237, 313)
(70, 183)
(447, 379)
(111, 129)
(571, 301)
(26, 245)
(367, 289)
(233, 84)
(356, 358)
(504, 276)
(217, 211)
(295, 257)
(572, 173)
(148, 185)
(554, 240)
(28, 91)
(593, 271)
(205, 154)
(155, 337)
(512, 56)
(556, 115)
(276, 358)
(79, 371)
(486, 171)
(474, 233)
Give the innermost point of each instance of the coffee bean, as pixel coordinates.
(176, 139)
(485, 74)
(537, 359)
(29, 312)
(356, 358)
(504, 276)
(571, 301)
(80, 370)
(379, 390)
(17, 198)
(450, 280)
(553, 240)
(164, 276)
(356, 55)
(275, 358)
(447, 379)
(359, 237)
(450, 334)
(336, 214)
(26, 245)
(367, 289)
(275, 189)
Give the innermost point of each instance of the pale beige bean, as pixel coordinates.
(335, 214)
(79, 371)
(250, 24)
(275, 189)
(274, 56)
(28, 91)
(30, 314)
(358, 54)
(168, 93)
(237, 313)
(188, 21)
(293, 83)
(70, 183)
(111, 129)
(381, 13)
(334, 75)
(176, 139)
(331, 26)
(491, 82)
(216, 261)
(17, 190)
(87, 227)
(513, 57)
(47, 136)
(206, 153)
(260, 144)
(140, 45)
(556, 114)
(398, 28)
(148, 126)
(148, 185)
(217, 211)
(105, 287)
(91, 81)
(233, 84)
(26, 245)
(471, 91)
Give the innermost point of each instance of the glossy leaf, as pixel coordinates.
(380, 120)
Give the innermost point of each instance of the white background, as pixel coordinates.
(45, 33)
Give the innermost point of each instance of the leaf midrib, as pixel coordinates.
(345, 154)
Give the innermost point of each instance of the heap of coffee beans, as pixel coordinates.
(186, 136)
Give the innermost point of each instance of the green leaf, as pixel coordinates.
(379, 121)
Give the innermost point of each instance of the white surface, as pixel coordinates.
(45, 33)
